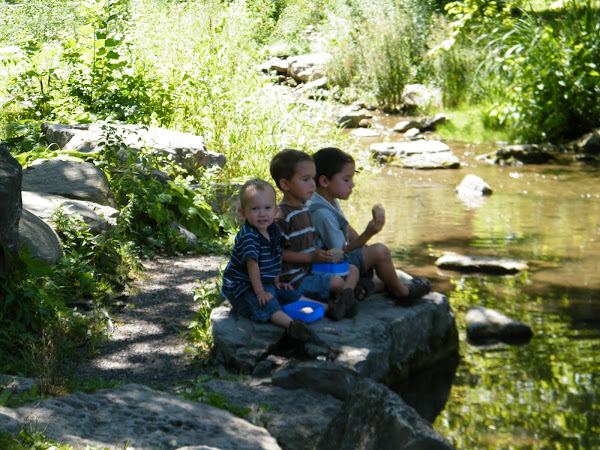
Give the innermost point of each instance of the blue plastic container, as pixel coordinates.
(294, 310)
(337, 269)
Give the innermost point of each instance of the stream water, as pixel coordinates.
(541, 394)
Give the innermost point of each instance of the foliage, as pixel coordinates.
(151, 205)
(548, 71)
(42, 20)
(30, 440)
(377, 47)
(539, 70)
(207, 296)
(39, 299)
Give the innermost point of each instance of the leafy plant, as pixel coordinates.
(548, 72)
(207, 296)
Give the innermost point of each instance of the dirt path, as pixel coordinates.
(147, 346)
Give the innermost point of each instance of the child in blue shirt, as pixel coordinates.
(251, 278)
(334, 179)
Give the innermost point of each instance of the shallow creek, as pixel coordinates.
(542, 394)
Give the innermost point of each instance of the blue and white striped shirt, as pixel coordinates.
(249, 243)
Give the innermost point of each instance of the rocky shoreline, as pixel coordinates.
(146, 352)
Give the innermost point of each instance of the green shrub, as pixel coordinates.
(548, 71)
(377, 47)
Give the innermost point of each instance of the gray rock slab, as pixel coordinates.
(374, 417)
(308, 67)
(186, 149)
(482, 264)
(440, 160)
(39, 237)
(383, 341)
(295, 417)
(135, 417)
(97, 217)
(485, 323)
(419, 154)
(70, 179)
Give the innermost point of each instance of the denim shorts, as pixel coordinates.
(247, 305)
(356, 258)
(316, 286)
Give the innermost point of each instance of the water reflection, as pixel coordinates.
(544, 394)
(429, 392)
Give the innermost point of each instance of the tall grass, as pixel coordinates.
(378, 47)
(547, 71)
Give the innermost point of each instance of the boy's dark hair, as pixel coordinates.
(283, 164)
(259, 185)
(329, 161)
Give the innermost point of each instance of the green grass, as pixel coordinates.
(466, 123)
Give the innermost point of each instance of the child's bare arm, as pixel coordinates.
(319, 255)
(263, 296)
(356, 240)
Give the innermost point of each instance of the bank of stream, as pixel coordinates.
(542, 394)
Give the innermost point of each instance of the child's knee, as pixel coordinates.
(336, 284)
(379, 253)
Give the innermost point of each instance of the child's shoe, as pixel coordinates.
(350, 302)
(299, 331)
(336, 310)
(417, 288)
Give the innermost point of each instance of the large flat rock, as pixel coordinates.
(383, 342)
(135, 416)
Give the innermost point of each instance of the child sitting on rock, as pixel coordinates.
(294, 173)
(335, 180)
(251, 278)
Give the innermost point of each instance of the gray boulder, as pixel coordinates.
(70, 179)
(472, 189)
(297, 418)
(308, 67)
(589, 143)
(187, 150)
(97, 217)
(384, 341)
(482, 264)
(352, 116)
(473, 185)
(374, 417)
(39, 237)
(485, 324)
(135, 416)
(421, 97)
(10, 199)
(519, 154)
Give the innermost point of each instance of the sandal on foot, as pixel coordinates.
(299, 331)
(417, 288)
(336, 310)
(350, 303)
(364, 288)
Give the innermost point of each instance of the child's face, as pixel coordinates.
(341, 184)
(302, 185)
(259, 208)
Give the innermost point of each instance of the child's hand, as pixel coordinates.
(321, 256)
(284, 286)
(264, 297)
(375, 225)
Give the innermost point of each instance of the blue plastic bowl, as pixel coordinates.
(337, 269)
(293, 310)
